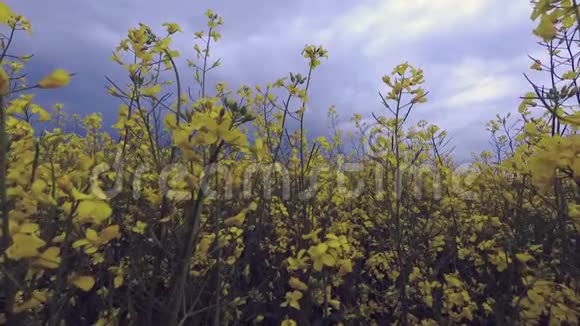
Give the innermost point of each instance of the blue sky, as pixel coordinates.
(473, 52)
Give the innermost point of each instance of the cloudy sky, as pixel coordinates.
(473, 52)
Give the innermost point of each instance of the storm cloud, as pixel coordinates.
(473, 52)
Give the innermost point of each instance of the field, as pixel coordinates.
(217, 207)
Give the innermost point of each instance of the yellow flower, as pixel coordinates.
(297, 284)
(312, 236)
(500, 260)
(118, 281)
(292, 299)
(37, 298)
(4, 82)
(151, 91)
(93, 241)
(345, 266)
(524, 257)
(58, 78)
(453, 281)
(97, 258)
(25, 228)
(84, 283)
(337, 242)
(289, 322)
(5, 13)
(109, 233)
(300, 262)
(415, 274)
(93, 211)
(42, 114)
(59, 238)
(172, 28)
(139, 227)
(320, 257)
(236, 220)
(334, 303)
(48, 259)
(24, 246)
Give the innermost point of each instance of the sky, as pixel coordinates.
(473, 52)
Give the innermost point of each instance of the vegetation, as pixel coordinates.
(214, 207)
